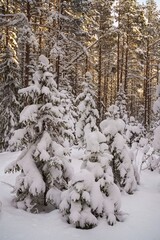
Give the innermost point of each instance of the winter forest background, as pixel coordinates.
(80, 106)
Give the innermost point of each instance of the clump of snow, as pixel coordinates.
(29, 113)
(43, 60)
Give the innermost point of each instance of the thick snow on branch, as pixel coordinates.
(31, 90)
(32, 178)
(29, 113)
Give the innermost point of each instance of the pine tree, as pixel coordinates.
(88, 114)
(10, 70)
(10, 106)
(43, 163)
(69, 114)
(121, 103)
(134, 133)
(136, 140)
(123, 172)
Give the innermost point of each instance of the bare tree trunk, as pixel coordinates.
(27, 50)
(118, 60)
(40, 37)
(7, 30)
(146, 86)
(105, 87)
(122, 63)
(6, 45)
(58, 38)
(99, 77)
(118, 53)
(126, 66)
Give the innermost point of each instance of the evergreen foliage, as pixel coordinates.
(123, 172)
(43, 163)
(92, 192)
(10, 106)
(87, 112)
(121, 103)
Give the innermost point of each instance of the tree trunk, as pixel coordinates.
(99, 78)
(146, 87)
(27, 50)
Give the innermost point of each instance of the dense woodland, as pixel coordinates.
(79, 72)
(117, 41)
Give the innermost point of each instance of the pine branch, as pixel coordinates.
(84, 52)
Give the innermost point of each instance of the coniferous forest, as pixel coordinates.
(79, 78)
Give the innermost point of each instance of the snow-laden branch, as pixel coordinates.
(84, 52)
(12, 20)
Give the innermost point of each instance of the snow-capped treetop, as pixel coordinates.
(113, 112)
(134, 132)
(112, 124)
(95, 141)
(43, 60)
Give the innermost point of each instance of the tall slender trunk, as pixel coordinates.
(59, 9)
(6, 45)
(118, 53)
(27, 50)
(99, 77)
(146, 86)
(126, 65)
(118, 60)
(122, 62)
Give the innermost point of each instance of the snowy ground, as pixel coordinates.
(142, 222)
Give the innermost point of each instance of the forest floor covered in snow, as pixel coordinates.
(142, 213)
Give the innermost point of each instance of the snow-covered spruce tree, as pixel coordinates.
(135, 131)
(135, 136)
(69, 114)
(76, 204)
(88, 114)
(45, 169)
(10, 106)
(92, 192)
(123, 172)
(121, 103)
